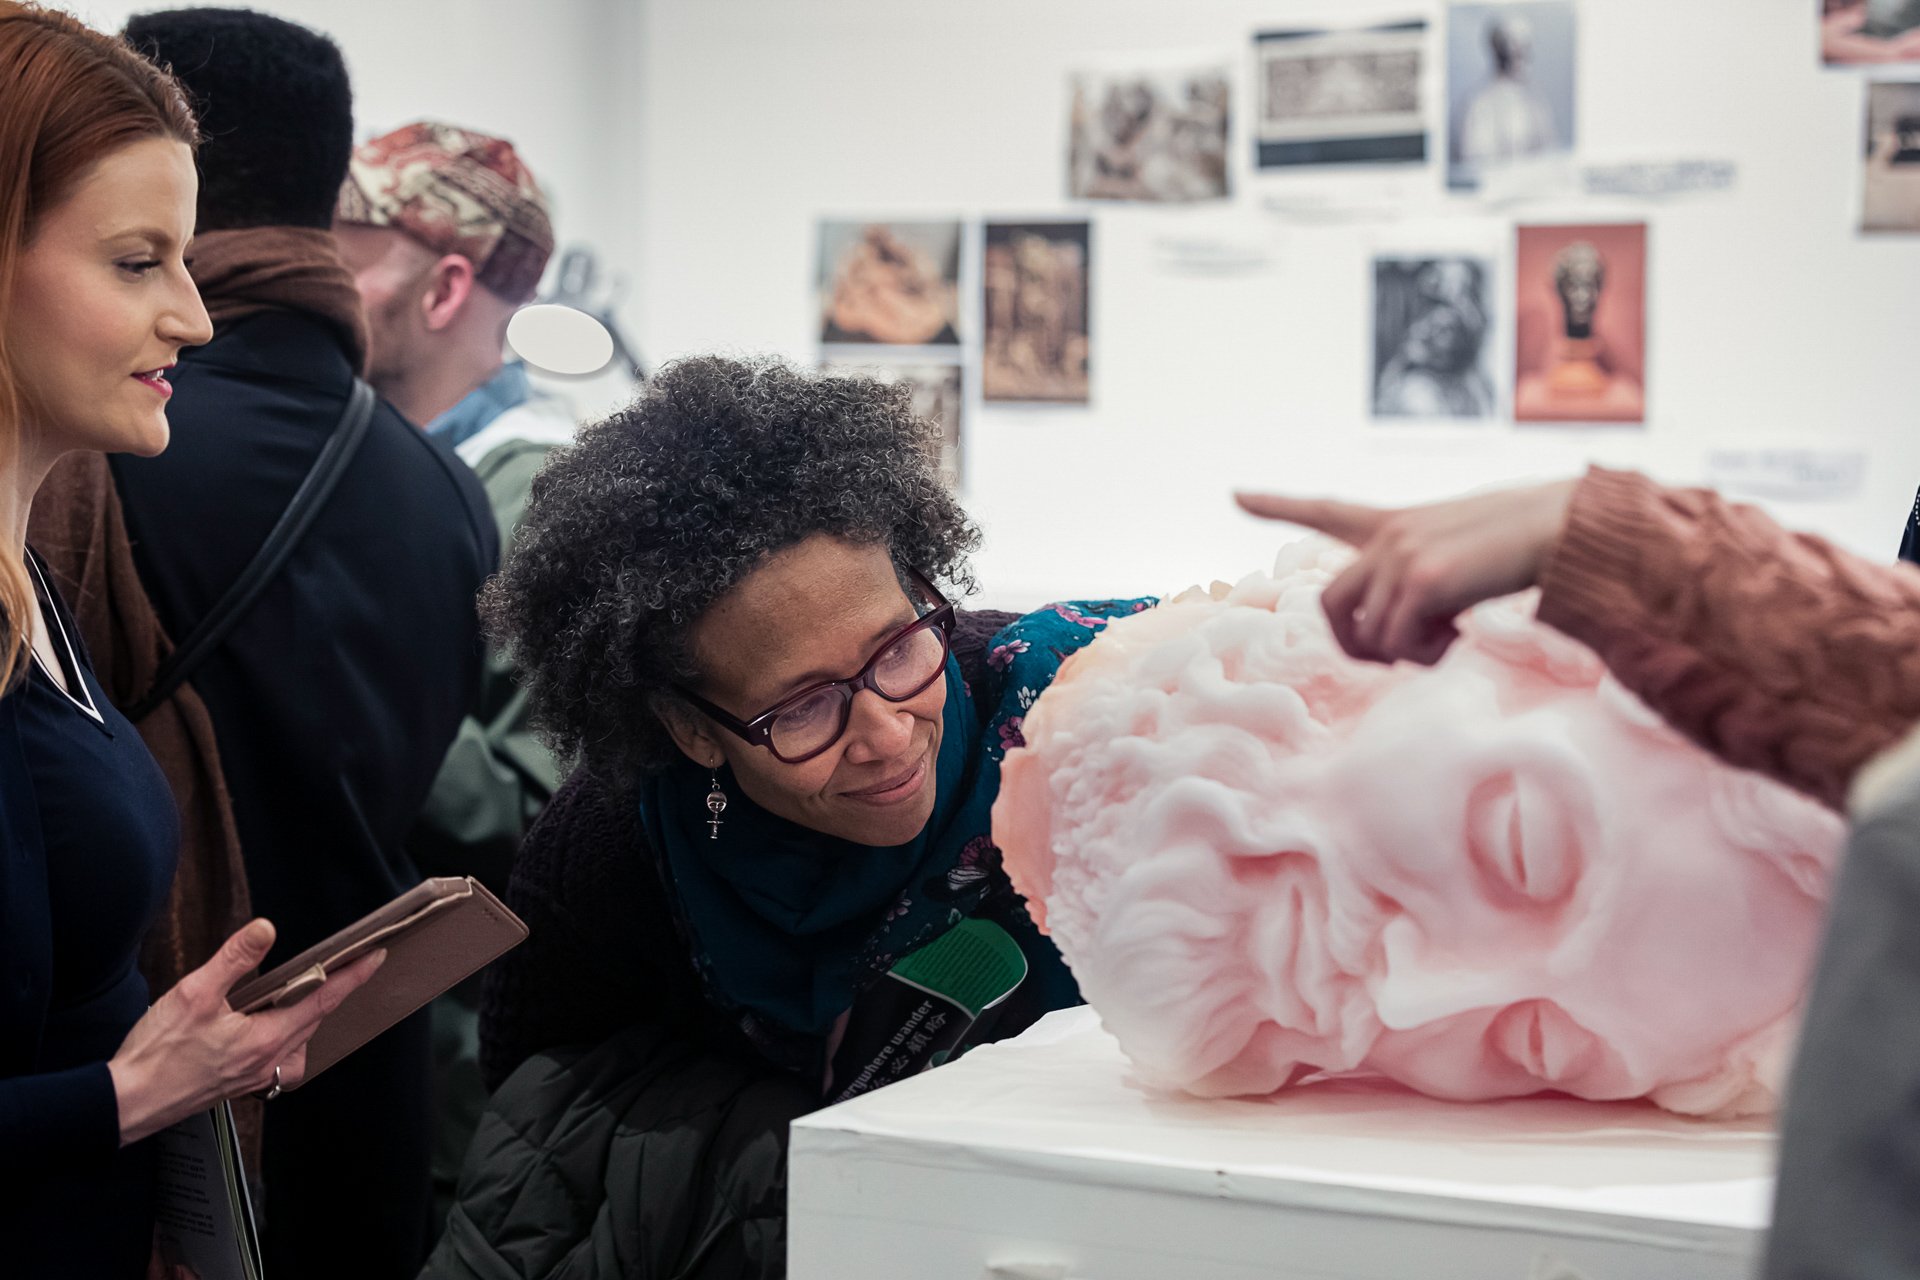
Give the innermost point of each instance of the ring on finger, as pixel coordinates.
(273, 1092)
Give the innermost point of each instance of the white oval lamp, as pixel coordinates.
(560, 339)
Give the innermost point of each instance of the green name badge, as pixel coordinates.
(919, 1014)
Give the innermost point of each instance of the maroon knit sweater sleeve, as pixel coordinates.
(1776, 651)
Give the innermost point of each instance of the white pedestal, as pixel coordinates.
(1040, 1159)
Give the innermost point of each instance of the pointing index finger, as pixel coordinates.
(1347, 521)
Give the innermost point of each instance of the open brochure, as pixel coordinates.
(203, 1217)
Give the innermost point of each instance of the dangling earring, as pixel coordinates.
(716, 805)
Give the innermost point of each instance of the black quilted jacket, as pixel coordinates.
(641, 1158)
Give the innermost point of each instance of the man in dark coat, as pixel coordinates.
(335, 698)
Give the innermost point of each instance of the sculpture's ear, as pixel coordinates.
(1800, 838)
(1023, 829)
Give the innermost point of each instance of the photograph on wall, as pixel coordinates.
(896, 283)
(936, 397)
(1580, 323)
(1891, 197)
(1036, 344)
(1433, 338)
(1866, 33)
(1340, 97)
(1510, 93)
(1149, 135)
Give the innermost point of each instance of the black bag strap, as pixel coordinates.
(293, 524)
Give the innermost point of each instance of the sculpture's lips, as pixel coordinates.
(1538, 1037)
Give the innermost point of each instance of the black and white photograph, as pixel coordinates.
(1157, 135)
(894, 283)
(1510, 87)
(937, 397)
(1432, 338)
(1343, 97)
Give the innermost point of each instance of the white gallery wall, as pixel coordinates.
(696, 144)
(549, 75)
(1231, 343)
(552, 76)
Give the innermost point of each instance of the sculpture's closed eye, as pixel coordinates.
(1520, 839)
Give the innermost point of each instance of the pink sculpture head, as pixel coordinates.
(1265, 861)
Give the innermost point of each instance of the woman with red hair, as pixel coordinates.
(97, 192)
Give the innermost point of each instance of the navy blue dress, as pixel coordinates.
(89, 838)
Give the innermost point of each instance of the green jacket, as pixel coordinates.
(497, 776)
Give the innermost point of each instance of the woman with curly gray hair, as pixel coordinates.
(788, 742)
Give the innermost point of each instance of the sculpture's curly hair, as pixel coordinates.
(656, 512)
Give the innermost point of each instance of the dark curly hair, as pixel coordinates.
(656, 512)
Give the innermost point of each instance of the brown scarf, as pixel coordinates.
(280, 268)
(80, 532)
